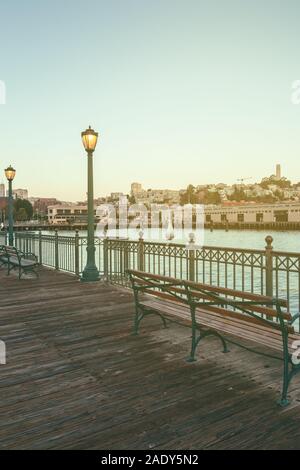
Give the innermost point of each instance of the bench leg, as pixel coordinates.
(195, 329)
(284, 401)
(287, 377)
(286, 361)
(136, 322)
(196, 341)
(25, 271)
(139, 317)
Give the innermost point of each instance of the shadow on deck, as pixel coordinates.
(76, 378)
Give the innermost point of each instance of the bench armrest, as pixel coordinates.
(28, 255)
(294, 318)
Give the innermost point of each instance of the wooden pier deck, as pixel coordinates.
(76, 379)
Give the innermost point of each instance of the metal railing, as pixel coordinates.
(66, 253)
(265, 271)
(3, 237)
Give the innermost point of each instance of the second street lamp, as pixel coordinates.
(90, 272)
(10, 173)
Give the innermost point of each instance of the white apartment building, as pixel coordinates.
(253, 213)
(154, 196)
(136, 188)
(163, 195)
(62, 214)
(20, 193)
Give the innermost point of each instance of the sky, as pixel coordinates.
(180, 91)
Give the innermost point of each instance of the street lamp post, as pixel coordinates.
(90, 273)
(10, 173)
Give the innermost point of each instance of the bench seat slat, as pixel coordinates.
(242, 328)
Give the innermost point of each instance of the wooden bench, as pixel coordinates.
(3, 257)
(16, 259)
(210, 310)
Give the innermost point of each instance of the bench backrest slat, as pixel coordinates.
(225, 301)
(269, 312)
(12, 252)
(217, 289)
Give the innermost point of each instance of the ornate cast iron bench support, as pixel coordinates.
(16, 259)
(260, 311)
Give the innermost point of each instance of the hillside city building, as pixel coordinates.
(19, 193)
(214, 214)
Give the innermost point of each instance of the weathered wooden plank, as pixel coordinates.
(76, 378)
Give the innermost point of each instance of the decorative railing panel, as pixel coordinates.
(260, 271)
(286, 278)
(3, 238)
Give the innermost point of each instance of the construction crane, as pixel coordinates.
(241, 180)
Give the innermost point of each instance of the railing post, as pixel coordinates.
(141, 266)
(125, 259)
(269, 266)
(191, 257)
(105, 259)
(16, 240)
(56, 251)
(40, 248)
(77, 253)
(26, 249)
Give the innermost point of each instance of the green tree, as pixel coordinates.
(189, 196)
(279, 195)
(238, 195)
(132, 199)
(23, 204)
(21, 214)
(283, 183)
(212, 197)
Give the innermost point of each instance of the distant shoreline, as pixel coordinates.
(275, 226)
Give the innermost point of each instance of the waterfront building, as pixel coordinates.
(60, 214)
(41, 204)
(252, 213)
(3, 206)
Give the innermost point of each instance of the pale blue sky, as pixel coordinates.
(181, 91)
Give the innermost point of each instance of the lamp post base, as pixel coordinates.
(90, 274)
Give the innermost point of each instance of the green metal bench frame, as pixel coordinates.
(14, 259)
(3, 256)
(143, 282)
